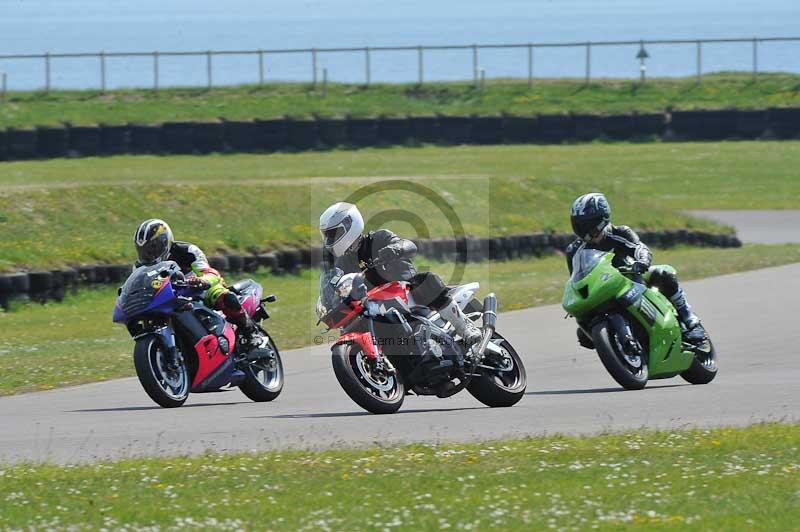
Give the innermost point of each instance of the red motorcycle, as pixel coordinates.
(183, 346)
(390, 347)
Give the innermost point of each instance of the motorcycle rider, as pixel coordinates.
(154, 243)
(591, 222)
(383, 257)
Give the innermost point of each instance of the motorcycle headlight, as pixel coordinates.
(345, 285)
(321, 310)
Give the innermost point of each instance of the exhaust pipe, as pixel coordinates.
(489, 322)
(490, 312)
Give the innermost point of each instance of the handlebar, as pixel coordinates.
(187, 283)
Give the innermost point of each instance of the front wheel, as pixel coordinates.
(263, 377)
(704, 366)
(505, 385)
(628, 369)
(165, 381)
(371, 388)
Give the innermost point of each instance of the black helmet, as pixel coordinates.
(590, 215)
(153, 240)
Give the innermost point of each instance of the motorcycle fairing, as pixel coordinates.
(363, 339)
(249, 294)
(656, 314)
(603, 287)
(164, 300)
(395, 290)
(462, 294)
(213, 363)
(343, 315)
(146, 291)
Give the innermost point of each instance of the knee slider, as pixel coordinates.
(231, 302)
(665, 280)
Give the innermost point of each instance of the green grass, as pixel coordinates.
(726, 90)
(719, 479)
(61, 212)
(74, 342)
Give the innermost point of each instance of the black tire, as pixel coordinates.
(611, 359)
(704, 367)
(343, 358)
(144, 356)
(267, 388)
(501, 389)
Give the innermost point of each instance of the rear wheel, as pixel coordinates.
(704, 366)
(263, 377)
(628, 369)
(165, 381)
(372, 389)
(505, 385)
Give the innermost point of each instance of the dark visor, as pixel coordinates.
(152, 250)
(588, 226)
(331, 236)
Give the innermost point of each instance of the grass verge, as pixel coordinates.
(54, 213)
(725, 90)
(720, 479)
(74, 342)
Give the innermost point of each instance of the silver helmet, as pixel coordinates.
(341, 226)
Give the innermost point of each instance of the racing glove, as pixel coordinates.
(639, 267)
(198, 283)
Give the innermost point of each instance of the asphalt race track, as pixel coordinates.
(751, 316)
(758, 226)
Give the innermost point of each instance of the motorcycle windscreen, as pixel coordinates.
(141, 288)
(584, 261)
(328, 296)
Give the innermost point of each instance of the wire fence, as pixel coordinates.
(473, 67)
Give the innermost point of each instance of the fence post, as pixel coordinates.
(47, 72)
(588, 62)
(474, 64)
(103, 71)
(208, 69)
(314, 67)
(3, 86)
(530, 66)
(699, 60)
(755, 59)
(367, 66)
(324, 82)
(155, 71)
(419, 64)
(261, 67)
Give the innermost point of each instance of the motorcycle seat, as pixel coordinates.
(245, 286)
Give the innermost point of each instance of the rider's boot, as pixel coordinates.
(464, 326)
(693, 330)
(245, 329)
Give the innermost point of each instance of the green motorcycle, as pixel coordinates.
(635, 329)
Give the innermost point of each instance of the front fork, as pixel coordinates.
(166, 335)
(626, 337)
(381, 362)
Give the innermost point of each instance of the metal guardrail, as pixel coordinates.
(313, 54)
